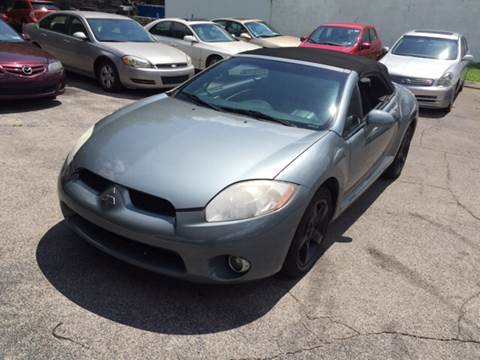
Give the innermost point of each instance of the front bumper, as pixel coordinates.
(185, 245)
(23, 87)
(433, 97)
(154, 78)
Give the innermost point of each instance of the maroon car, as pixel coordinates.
(25, 70)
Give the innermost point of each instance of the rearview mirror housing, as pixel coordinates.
(26, 37)
(303, 38)
(380, 118)
(366, 46)
(80, 35)
(245, 36)
(468, 57)
(385, 50)
(190, 38)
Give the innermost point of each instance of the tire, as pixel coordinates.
(306, 245)
(396, 167)
(107, 76)
(213, 60)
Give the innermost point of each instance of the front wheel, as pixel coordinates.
(107, 76)
(395, 169)
(306, 246)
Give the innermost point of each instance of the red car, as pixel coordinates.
(351, 38)
(25, 70)
(28, 11)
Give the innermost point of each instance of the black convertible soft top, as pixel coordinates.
(361, 65)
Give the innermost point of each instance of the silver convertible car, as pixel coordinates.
(236, 174)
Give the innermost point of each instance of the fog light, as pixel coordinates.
(238, 264)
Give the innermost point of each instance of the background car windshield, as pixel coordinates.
(118, 30)
(427, 47)
(212, 33)
(8, 34)
(261, 29)
(43, 5)
(337, 36)
(304, 96)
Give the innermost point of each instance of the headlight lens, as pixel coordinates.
(446, 80)
(55, 66)
(80, 142)
(189, 60)
(249, 199)
(136, 62)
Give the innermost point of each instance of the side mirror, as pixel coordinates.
(468, 57)
(303, 38)
(26, 37)
(80, 35)
(190, 38)
(366, 46)
(245, 36)
(380, 118)
(385, 50)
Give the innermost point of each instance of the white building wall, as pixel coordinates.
(391, 17)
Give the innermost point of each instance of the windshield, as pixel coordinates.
(118, 30)
(287, 93)
(43, 5)
(8, 34)
(212, 33)
(427, 47)
(336, 36)
(261, 29)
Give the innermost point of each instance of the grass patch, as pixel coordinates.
(473, 73)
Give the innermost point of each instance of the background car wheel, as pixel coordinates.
(306, 246)
(213, 60)
(395, 169)
(107, 76)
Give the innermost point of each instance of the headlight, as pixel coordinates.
(445, 80)
(189, 60)
(249, 199)
(80, 142)
(55, 66)
(136, 62)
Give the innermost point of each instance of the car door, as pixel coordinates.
(178, 31)
(377, 95)
(52, 35)
(78, 53)
(236, 29)
(463, 63)
(366, 45)
(376, 44)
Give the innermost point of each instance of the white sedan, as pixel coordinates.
(204, 41)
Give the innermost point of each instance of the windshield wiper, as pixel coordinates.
(197, 100)
(258, 115)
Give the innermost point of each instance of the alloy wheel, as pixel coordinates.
(107, 76)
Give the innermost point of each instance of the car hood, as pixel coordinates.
(344, 49)
(231, 47)
(23, 53)
(279, 41)
(155, 52)
(187, 154)
(416, 67)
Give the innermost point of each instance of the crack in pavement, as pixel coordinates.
(65, 338)
(463, 313)
(449, 179)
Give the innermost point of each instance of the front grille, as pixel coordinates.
(174, 80)
(171, 66)
(426, 98)
(140, 200)
(151, 204)
(153, 257)
(409, 81)
(18, 70)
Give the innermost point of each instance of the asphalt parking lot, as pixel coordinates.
(399, 278)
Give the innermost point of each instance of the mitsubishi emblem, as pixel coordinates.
(110, 198)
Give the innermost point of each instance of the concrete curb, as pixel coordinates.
(472, 85)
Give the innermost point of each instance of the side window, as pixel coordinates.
(464, 47)
(373, 92)
(222, 23)
(354, 115)
(179, 31)
(366, 36)
(373, 35)
(235, 28)
(45, 22)
(162, 29)
(58, 24)
(76, 25)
